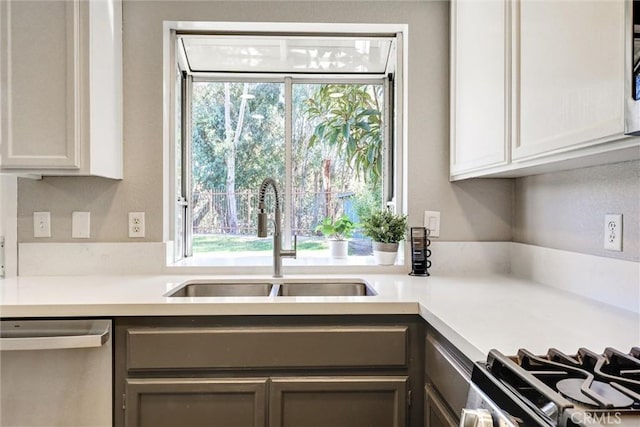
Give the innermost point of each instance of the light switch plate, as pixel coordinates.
(41, 224)
(80, 225)
(432, 222)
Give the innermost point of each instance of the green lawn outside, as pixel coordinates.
(223, 243)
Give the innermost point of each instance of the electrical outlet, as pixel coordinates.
(613, 232)
(41, 224)
(432, 222)
(136, 224)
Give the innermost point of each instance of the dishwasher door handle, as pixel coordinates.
(53, 334)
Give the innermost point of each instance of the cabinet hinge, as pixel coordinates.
(2, 270)
(124, 401)
(409, 398)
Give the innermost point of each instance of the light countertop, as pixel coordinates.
(476, 313)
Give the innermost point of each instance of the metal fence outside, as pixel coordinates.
(211, 210)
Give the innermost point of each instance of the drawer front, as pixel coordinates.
(446, 376)
(289, 347)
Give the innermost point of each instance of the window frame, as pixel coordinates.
(394, 178)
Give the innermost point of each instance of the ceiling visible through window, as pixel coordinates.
(288, 54)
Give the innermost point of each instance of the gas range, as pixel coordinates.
(561, 390)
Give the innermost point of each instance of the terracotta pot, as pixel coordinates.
(385, 253)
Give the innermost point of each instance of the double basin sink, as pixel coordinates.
(271, 289)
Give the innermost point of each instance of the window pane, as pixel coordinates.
(238, 140)
(337, 156)
(287, 54)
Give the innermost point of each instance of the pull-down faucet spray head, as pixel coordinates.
(262, 220)
(262, 214)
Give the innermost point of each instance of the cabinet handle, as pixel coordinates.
(53, 334)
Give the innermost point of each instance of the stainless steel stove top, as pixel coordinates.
(556, 389)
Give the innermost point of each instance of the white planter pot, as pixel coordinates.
(338, 248)
(385, 253)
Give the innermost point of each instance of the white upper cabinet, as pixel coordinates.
(479, 97)
(61, 87)
(569, 63)
(538, 86)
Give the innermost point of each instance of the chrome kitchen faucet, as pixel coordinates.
(278, 252)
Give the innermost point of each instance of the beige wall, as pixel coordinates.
(473, 210)
(565, 210)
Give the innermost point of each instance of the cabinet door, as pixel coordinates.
(338, 402)
(195, 402)
(38, 77)
(436, 413)
(569, 75)
(445, 374)
(479, 84)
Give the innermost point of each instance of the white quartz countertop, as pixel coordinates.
(476, 313)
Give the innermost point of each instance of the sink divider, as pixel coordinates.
(275, 289)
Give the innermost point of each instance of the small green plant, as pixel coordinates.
(385, 227)
(340, 229)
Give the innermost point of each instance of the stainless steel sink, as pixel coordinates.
(221, 289)
(318, 288)
(325, 289)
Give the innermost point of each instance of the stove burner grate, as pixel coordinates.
(571, 388)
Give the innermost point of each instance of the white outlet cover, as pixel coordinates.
(613, 232)
(136, 224)
(81, 225)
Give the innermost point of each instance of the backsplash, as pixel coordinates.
(609, 281)
(565, 210)
(77, 259)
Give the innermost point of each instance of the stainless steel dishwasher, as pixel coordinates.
(55, 373)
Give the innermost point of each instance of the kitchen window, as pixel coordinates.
(313, 112)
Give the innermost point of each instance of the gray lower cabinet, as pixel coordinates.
(338, 402)
(292, 402)
(195, 402)
(436, 413)
(447, 379)
(268, 372)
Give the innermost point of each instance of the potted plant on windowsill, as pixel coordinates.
(338, 232)
(386, 229)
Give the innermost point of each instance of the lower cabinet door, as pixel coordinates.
(338, 402)
(196, 402)
(436, 413)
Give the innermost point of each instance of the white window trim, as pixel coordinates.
(399, 128)
(288, 142)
